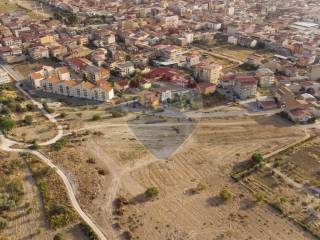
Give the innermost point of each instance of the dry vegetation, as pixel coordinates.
(182, 209)
(25, 216)
(291, 185)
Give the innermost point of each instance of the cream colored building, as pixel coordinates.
(208, 72)
(315, 72)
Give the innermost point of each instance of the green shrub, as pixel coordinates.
(257, 158)
(58, 145)
(28, 120)
(225, 194)
(6, 124)
(259, 197)
(58, 236)
(3, 223)
(34, 146)
(152, 192)
(86, 229)
(118, 113)
(31, 107)
(96, 117)
(6, 203)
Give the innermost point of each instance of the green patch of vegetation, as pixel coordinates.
(277, 206)
(11, 188)
(86, 229)
(7, 124)
(47, 108)
(3, 223)
(58, 210)
(152, 192)
(96, 117)
(58, 145)
(118, 113)
(259, 197)
(225, 194)
(28, 119)
(34, 146)
(58, 236)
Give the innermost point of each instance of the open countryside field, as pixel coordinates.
(105, 160)
(292, 184)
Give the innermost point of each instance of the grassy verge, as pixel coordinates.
(8, 7)
(58, 210)
(11, 188)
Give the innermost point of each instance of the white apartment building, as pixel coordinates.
(101, 91)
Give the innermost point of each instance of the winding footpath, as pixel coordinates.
(6, 144)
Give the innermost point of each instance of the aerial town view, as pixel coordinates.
(159, 119)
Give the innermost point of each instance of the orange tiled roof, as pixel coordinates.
(36, 75)
(53, 80)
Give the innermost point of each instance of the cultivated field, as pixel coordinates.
(291, 184)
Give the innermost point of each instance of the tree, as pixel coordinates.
(86, 229)
(152, 192)
(31, 107)
(225, 194)
(62, 115)
(73, 19)
(200, 187)
(259, 197)
(58, 145)
(5, 110)
(257, 158)
(6, 124)
(58, 236)
(28, 120)
(34, 146)
(96, 117)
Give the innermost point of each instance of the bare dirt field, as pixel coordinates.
(207, 157)
(40, 130)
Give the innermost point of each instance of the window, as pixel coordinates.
(78, 92)
(85, 93)
(61, 89)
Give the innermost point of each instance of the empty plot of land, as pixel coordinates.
(208, 157)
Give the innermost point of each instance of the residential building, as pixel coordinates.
(265, 77)
(315, 72)
(245, 87)
(208, 72)
(101, 91)
(125, 69)
(95, 74)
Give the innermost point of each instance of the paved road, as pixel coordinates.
(6, 144)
